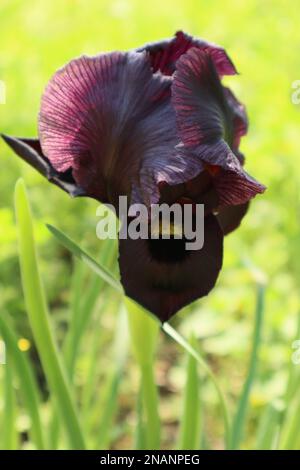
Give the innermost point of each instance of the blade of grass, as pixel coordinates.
(70, 346)
(40, 321)
(83, 309)
(287, 438)
(290, 438)
(293, 373)
(77, 251)
(139, 435)
(27, 381)
(120, 356)
(169, 330)
(191, 416)
(268, 429)
(239, 421)
(75, 302)
(10, 436)
(92, 375)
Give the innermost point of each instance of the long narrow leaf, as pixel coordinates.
(120, 356)
(240, 417)
(83, 309)
(40, 321)
(290, 438)
(9, 421)
(77, 251)
(269, 425)
(191, 416)
(169, 330)
(29, 388)
(140, 435)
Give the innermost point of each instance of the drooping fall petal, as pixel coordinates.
(164, 277)
(205, 125)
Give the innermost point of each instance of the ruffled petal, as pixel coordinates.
(94, 119)
(163, 277)
(110, 119)
(205, 125)
(164, 54)
(239, 120)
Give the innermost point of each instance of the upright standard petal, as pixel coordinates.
(205, 122)
(164, 54)
(109, 119)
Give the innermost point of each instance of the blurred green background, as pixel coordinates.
(263, 40)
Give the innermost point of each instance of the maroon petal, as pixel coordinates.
(110, 119)
(164, 54)
(163, 277)
(230, 217)
(30, 151)
(205, 124)
(239, 120)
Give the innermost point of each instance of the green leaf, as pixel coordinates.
(120, 356)
(140, 434)
(77, 251)
(40, 321)
(268, 428)
(9, 435)
(29, 388)
(191, 416)
(82, 307)
(169, 330)
(240, 417)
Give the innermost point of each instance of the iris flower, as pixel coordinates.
(156, 125)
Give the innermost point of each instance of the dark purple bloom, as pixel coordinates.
(155, 125)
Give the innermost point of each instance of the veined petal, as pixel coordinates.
(110, 120)
(206, 126)
(164, 54)
(239, 120)
(163, 277)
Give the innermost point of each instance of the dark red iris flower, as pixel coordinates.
(157, 125)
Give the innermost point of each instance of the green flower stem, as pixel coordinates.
(151, 406)
(191, 416)
(144, 333)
